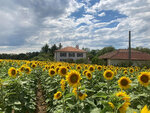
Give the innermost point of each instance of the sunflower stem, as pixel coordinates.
(108, 86)
(64, 111)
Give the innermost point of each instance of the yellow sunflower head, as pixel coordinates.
(145, 109)
(144, 78)
(82, 96)
(63, 71)
(124, 82)
(108, 75)
(33, 65)
(75, 91)
(131, 70)
(111, 105)
(125, 72)
(99, 68)
(91, 68)
(84, 72)
(57, 95)
(52, 72)
(52, 66)
(124, 107)
(27, 70)
(22, 68)
(86, 66)
(78, 67)
(57, 69)
(123, 95)
(12, 72)
(63, 82)
(73, 78)
(89, 75)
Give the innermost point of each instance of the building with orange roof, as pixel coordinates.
(122, 55)
(69, 54)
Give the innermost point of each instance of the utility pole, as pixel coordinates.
(129, 48)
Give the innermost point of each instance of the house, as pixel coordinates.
(122, 55)
(69, 54)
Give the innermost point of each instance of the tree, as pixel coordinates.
(45, 48)
(105, 50)
(52, 49)
(60, 46)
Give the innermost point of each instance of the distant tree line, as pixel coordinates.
(46, 53)
(21, 56)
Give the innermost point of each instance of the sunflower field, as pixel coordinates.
(73, 88)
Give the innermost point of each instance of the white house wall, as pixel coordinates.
(115, 62)
(57, 56)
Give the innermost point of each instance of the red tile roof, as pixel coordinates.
(70, 49)
(122, 54)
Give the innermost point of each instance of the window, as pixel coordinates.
(71, 54)
(79, 54)
(63, 54)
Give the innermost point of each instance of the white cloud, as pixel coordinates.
(37, 29)
(101, 14)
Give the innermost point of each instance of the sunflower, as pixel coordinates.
(124, 82)
(126, 99)
(78, 67)
(43, 69)
(62, 82)
(108, 75)
(91, 68)
(27, 70)
(12, 72)
(89, 75)
(131, 70)
(52, 66)
(52, 72)
(82, 96)
(111, 105)
(125, 72)
(86, 66)
(57, 69)
(144, 78)
(73, 78)
(145, 110)
(57, 95)
(123, 95)
(33, 65)
(124, 107)
(22, 68)
(99, 68)
(84, 72)
(75, 91)
(63, 71)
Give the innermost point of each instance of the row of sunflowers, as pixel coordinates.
(73, 88)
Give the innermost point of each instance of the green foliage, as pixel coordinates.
(124, 64)
(43, 57)
(98, 61)
(145, 64)
(105, 50)
(45, 48)
(82, 60)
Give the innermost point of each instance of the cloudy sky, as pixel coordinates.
(26, 25)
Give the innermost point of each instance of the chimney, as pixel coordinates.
(77, 46)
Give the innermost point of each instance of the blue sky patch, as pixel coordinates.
(92, 2)
(114, 24)
(109, 16)
(79, 13)
(82, 24)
